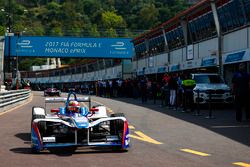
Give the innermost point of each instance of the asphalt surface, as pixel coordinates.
(159, 137)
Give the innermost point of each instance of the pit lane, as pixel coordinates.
(176, 132)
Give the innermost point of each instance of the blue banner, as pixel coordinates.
(68, 47)
(175, 68)
(208, 62)
(162, 69)
(235, 57)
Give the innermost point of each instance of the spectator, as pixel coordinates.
(172, 85)
(241, 91)
(188, 85)
(143, 86)
(180, 92)
(165, 94)
(154, 91)
(115, 88)
(119, 83)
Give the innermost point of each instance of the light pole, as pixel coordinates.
(8, 33)
(17, 73)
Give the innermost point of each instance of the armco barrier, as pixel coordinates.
(13, 97)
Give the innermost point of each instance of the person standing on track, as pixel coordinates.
(188, 85)
(241, 91)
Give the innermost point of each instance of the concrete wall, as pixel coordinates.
(176, 56)
(208, 47)
(162, 60)
(235, 41)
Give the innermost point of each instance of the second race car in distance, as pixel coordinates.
(52, 92)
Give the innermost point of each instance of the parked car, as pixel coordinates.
(211, 84)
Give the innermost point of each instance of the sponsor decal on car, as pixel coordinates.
(49, 139)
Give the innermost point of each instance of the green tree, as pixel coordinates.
(94, 31)
(110, 33)
(88, 18)
(56, 31)
(111, 20)
(2, 30)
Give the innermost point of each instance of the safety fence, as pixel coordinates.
(9, 98)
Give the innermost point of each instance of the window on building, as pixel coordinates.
(231, 15)
(202, 27)
(247, 9)
(156, 45)
(140, 50)
(175, 38)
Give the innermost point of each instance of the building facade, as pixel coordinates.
(210, 36)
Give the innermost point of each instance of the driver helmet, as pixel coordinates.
(74, 106)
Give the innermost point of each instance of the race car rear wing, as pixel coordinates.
(64, 99)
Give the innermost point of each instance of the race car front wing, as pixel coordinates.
(96, 134)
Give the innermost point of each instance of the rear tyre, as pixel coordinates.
(117, 125)
(116, 128)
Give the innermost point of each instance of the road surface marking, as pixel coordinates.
(195, 152)
(131, 127)
(242, 164)
(140, 136)
(109, 110)
(144, 137)
(232, 126)
(97, 102)
(14, 108)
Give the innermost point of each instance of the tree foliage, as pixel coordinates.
(85, 18)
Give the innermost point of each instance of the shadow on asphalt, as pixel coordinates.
(65, 151)
(24, 136)
(222, 121)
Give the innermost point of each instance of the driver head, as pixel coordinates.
(74, 106)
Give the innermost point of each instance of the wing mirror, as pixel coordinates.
(93, 109)
(55, 110)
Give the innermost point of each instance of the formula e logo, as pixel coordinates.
(24, 44)
(119, 46)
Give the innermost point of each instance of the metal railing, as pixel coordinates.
(14, 96)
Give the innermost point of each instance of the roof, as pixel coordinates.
(195, 8)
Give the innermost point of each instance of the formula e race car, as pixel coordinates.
(73, 126)
(52, 92)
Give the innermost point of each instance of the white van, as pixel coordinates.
(211, 83)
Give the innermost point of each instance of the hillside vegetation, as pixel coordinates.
(86, 18)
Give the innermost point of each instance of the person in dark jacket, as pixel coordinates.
(241, 91)
(143, 86)
(188, 85)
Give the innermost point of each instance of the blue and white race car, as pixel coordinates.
(73, 126)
